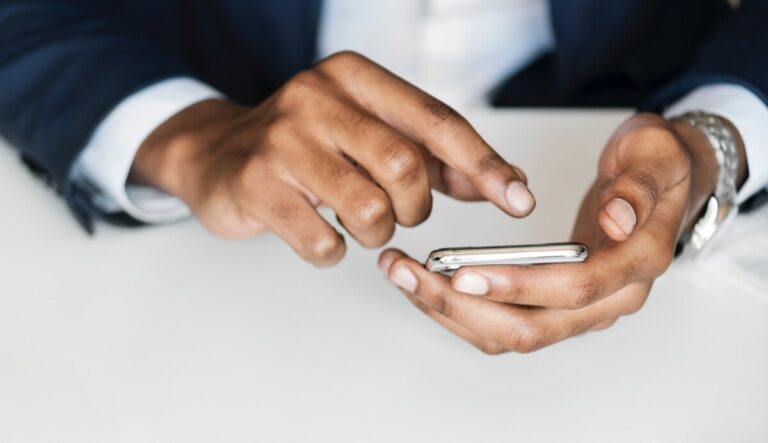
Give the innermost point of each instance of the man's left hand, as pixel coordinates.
(654, 178)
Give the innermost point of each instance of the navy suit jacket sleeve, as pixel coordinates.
(63, 66)
(737, 54)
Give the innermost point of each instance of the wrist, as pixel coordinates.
(704, 167)
(169, 158)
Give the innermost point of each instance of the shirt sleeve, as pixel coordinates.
(103, 166)
(750, 116)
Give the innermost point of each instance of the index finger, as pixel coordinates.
(433, 124)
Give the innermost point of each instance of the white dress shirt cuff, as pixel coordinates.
(750, 116)
(106, 161)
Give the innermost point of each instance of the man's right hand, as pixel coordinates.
(347, 134)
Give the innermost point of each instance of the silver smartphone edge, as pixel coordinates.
(449, 260)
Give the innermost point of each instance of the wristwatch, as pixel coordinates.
(722, 206)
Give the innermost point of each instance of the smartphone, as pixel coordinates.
(448, 261)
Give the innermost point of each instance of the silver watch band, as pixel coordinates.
(722, 205)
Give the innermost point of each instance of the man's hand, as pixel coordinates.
(654, 178)
(347, 134)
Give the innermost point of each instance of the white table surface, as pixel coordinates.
(170, 335)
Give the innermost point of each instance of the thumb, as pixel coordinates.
(629, 201)
(618, 219)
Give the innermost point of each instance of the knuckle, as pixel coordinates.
(442, 114)
(528, 337)
(514, 289)
(491, 162)
(402, 163)
(298, 84)
(277, 132)
(305, 92)
(346, 56)
(283, 211)
(233, 226)
(373, 212)
(441, 304)
(586, 292)
(341, 60)
(645, 186)
(354, 121)
(321, 248)
(490, 348)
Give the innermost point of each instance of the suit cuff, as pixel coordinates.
(750, 116)
(104, 164)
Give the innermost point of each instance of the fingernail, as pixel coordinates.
(471, 283)
(622, 213)
(519, 197)
(404, 278)
(386, 262)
